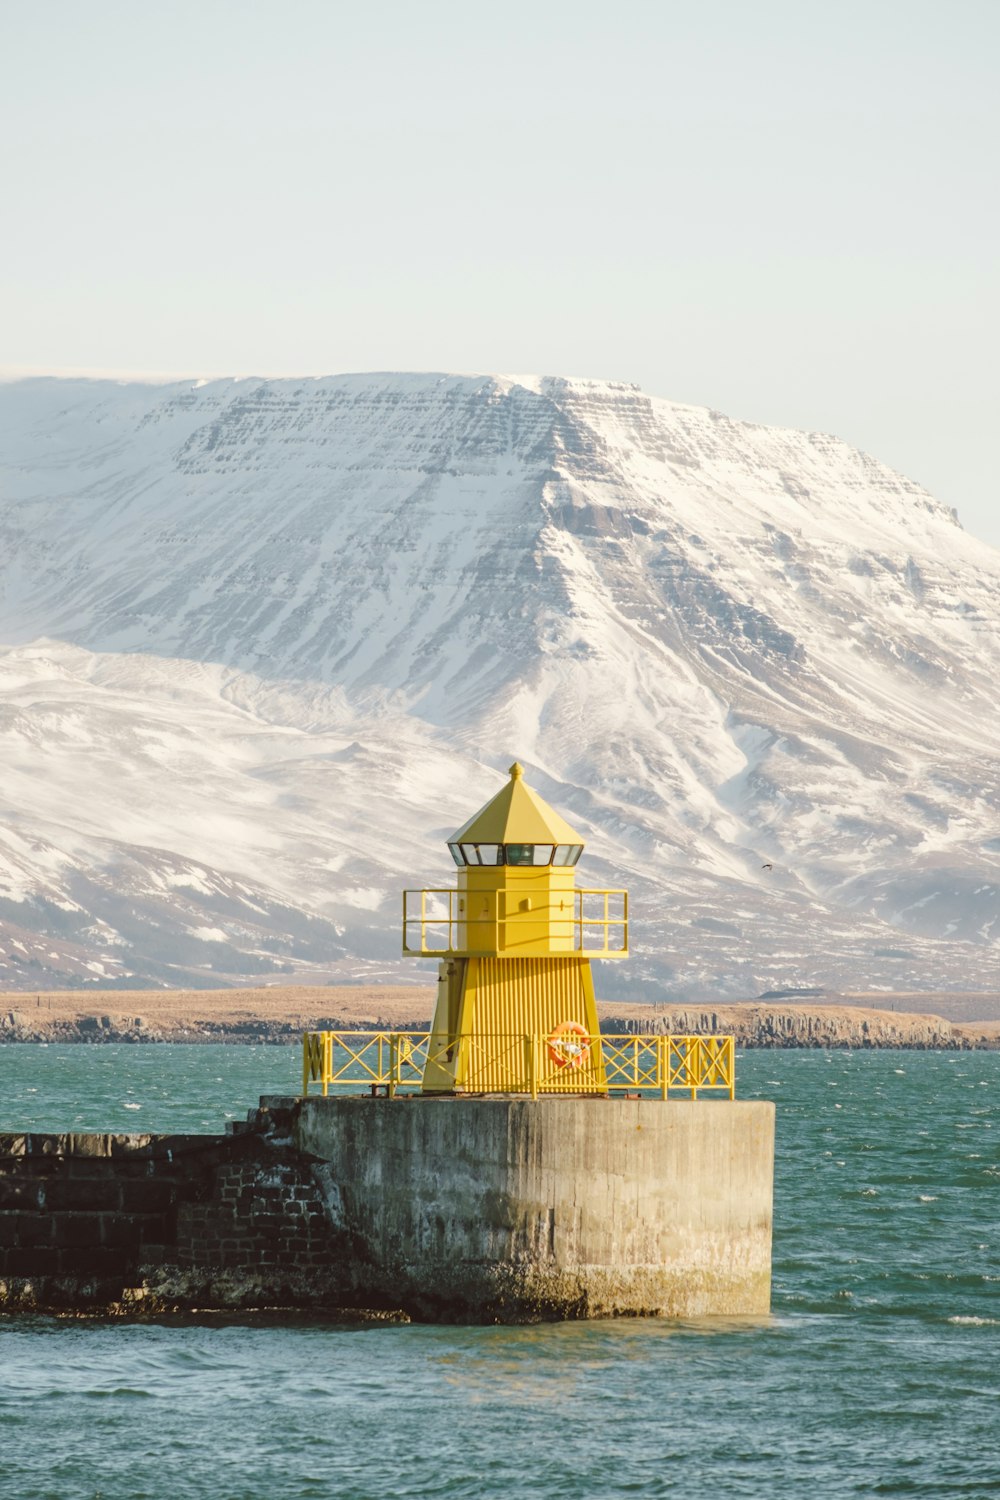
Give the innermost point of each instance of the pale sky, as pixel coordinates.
(784, 209)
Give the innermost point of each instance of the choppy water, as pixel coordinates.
(878, 1372)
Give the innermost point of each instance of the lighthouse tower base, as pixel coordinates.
(513, 1210)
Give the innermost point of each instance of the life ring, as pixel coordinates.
(569, 1045)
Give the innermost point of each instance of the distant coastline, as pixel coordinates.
(279, 1016)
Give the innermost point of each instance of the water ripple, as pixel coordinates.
(874, 1375)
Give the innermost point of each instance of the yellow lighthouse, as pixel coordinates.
(514, 940)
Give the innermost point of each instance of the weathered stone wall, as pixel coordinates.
(118, 1222)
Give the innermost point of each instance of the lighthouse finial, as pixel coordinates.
(516, 771)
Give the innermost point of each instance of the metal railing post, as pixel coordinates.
(532, 1045)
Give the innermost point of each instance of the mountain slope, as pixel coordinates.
(277, 632)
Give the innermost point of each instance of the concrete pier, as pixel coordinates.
(514, 1209)
(472, 1210)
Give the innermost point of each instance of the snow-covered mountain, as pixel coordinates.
(267, 642)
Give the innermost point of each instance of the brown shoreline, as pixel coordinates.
(280, 1014)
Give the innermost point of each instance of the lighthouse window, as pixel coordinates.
(483, 854)
(515, 854)
(529, 854)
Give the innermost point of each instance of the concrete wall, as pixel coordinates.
(511, 1209)
(470, 1209)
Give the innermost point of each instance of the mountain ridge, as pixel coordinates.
(341, 603)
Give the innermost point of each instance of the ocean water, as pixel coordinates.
(877, 1373)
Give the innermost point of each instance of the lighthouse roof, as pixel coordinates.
(516, 815)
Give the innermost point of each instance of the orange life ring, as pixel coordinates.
(569, 1045)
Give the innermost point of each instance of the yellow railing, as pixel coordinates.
(435, 921)
(396, 1060)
